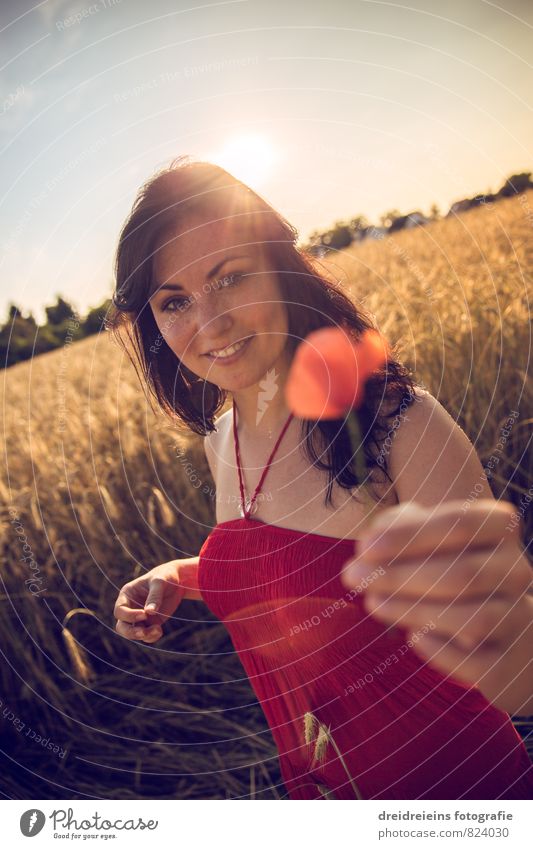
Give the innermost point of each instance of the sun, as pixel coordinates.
(249, 157)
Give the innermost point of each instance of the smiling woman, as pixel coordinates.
(397, 727)
(191, 222)
(219, 320)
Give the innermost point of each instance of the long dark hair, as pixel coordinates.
(312, 301)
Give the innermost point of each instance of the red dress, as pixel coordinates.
(403, 729)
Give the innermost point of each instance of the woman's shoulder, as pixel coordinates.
(393, 402)
(222, 423)
(214, 441)
(431, 459)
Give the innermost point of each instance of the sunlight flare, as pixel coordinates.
(249, 157)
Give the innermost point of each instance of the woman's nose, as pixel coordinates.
(213, 322)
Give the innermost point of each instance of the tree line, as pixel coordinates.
(22, 338)
(343, 233)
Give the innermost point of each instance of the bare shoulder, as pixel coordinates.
(431, 459)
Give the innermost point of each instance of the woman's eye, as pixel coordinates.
(182, 303)
(231, 279)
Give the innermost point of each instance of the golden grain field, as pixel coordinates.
(95, 488)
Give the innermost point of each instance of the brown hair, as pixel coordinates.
(312, 301)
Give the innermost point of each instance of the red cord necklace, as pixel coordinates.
(245, 508)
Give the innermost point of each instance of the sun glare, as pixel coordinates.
(250, 158)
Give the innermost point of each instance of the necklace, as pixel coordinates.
(246, 507)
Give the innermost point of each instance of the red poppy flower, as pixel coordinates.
(329, 371)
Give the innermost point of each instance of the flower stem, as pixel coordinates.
(354, 430)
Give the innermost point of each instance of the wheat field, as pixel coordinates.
(96, 488)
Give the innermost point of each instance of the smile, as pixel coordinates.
(231, 353)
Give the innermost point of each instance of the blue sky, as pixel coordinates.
(328, 109)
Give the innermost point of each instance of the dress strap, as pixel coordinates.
(246, 512)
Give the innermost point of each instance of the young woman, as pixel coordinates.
(407, 698)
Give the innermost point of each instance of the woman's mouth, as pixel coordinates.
(226, 356)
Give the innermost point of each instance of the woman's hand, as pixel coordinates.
(457, 579)
(145, 603)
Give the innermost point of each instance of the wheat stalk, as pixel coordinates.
(323, 737)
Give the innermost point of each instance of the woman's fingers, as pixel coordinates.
(409, 531)
(496, 671)
(142, 606)
(124, 608)
(500, 571)
(156, 592)
(147, 634)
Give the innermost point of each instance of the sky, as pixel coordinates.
(327, 109)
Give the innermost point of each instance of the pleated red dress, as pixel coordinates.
(398, 728)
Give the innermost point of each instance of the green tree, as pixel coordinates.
(359, 222)
(60, 312)
(17, 336)
(13, 311)
(94, 320)
(388, 217)
(516, 184)
(339, 237)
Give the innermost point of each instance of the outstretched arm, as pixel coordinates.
(452, 556)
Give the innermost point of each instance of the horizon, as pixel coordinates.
(328, 113)
(372, 225)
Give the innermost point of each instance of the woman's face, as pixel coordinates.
(211, 289)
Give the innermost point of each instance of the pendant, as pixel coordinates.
(250, 508)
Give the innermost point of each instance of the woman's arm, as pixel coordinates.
(453, 560)
(188, 577)
(432, 459)
(145, 603)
